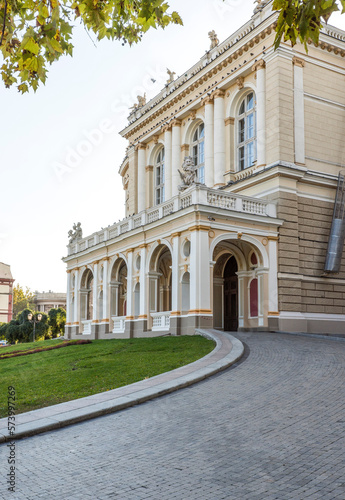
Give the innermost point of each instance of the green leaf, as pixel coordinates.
(32, 46)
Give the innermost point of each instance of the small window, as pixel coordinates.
(246, 137)
(160, 178)
(198, 152)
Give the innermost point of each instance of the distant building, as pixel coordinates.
(6, 293)
(49, 300)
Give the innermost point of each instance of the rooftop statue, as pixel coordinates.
(214, 39)
(141, 102)
(188, 175)
(171, 76)
(260, 5)
(76, 233)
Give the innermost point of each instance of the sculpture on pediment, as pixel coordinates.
(188, 174)
(214, 39)
(141, 102)
(76, 233)
(260, 5)
(171, 76)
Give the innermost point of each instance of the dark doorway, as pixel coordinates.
(230, 296)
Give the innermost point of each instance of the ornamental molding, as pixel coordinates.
(240, 82)
(297, 61)
(218, 93)
(229, 121)
(185, 148)
(176, 123)
(259, 65)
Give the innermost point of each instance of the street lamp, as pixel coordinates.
(34, 320)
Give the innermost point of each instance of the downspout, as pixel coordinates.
(337, 234)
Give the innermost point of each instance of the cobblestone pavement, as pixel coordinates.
(271, 427)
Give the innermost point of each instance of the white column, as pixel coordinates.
(141, 176)
(68, 302)
(219, 138)
(259, 67)
(209, 142)
(106, 302)
(299, 110)
(143, 282)
(175, 156)
(168, 159)
(175, 302)
(130, 308)
(114, 298)
(261, 296)
(242, 276)
(273, 275)
(200, 282)
(76, 314)
(95, 292)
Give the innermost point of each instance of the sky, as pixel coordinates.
(61, 149)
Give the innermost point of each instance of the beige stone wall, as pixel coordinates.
(302, 252)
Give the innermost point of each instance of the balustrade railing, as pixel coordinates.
(161, 320)
(119, 324)
(196, 194)
(86, 327)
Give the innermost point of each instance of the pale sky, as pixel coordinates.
(87, 97)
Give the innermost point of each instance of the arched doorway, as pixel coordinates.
(231, 295)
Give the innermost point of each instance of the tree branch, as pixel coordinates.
(4, 23)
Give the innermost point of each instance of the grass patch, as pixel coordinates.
(50, 377)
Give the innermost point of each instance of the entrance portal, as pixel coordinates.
(230, 296)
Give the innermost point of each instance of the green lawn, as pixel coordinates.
(50, 377)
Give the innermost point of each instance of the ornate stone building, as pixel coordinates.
(6, 293)
(234, 237)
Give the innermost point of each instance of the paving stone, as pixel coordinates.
(271, 427)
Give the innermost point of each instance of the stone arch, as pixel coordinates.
(236, 98)
(160, 277)
(152, 254)
(86, 294)
(261, 252)
(152, 156)
(190, 129)
(118, 285)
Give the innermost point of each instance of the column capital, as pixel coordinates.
(175, 235)
(140, 145)
(166, 128)
(176, 123)
(297, 61)
(185, 148)
(149, 168)
(259, 65)
(229, 120)
(208, 100)
(143, 245)
(218, 93)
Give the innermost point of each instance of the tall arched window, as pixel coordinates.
(160, 178)
(198, 152)
(246, 124)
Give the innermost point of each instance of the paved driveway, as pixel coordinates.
(271, 427)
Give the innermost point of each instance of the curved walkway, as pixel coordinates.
(271, 427)
(227, 351)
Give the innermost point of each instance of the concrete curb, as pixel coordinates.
(228, 350)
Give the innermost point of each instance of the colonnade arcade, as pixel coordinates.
(173, 286)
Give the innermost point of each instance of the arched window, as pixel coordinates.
(246, 126)
(198, 152)
(159, 178)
